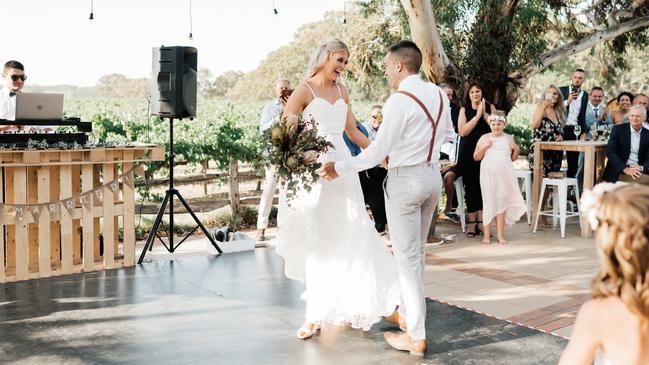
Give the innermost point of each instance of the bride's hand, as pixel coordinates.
(328, 171)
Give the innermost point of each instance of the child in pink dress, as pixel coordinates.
(501, 196)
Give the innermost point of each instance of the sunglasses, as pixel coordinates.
(18, 77)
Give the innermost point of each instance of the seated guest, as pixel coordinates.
(628, 150)
(624, 101)
(371, 179)
(372, 125)
(612, 328)
(13, 75)
(642, 99)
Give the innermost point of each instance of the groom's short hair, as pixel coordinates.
(408, 53)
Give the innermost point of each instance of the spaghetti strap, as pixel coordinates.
(340, 96)
(309, 86)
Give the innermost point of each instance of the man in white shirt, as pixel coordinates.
(13, 75)
(413, 184)
(271, 111)
(575, 100)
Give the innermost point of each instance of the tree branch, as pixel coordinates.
(550, 57)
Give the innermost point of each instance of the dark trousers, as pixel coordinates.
(372, 186)
(571, 157)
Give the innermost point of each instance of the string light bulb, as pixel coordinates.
(92, 6)
(274, 8)
(191, 35)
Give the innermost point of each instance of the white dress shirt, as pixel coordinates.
(574, 108)
(7, 104)
(405, 133)
(271, 111)
(635, 146)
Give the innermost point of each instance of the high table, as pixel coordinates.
(61, 211)
(594, 153)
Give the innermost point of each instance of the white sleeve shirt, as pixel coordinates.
(271, 111)
(405, 132)
(7, 105)
(574, 108)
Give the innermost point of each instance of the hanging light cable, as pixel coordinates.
(344, 11)
(92, 6)
(274, 8)
(191, 36)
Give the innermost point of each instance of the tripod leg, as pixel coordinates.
(154, 228)
(191, 212)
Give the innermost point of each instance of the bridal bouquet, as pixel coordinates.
(294, 151)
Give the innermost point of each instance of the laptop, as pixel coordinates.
(39, 106)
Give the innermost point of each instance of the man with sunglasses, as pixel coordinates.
(13, 75)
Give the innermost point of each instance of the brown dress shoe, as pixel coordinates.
(402, 342)
(396, 318)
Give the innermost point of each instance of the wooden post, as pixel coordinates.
(129, 210)
(22, 232)
(3, 238)
(235, 198)
(44, 224)
(109, 221)
(88, 219)
(55, 225)
(589, 174)
(66, 217)
(32, 198)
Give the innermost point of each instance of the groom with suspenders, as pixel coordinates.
(416, 122)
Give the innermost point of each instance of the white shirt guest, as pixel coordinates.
(7, 104)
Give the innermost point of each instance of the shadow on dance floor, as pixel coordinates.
(233, 309)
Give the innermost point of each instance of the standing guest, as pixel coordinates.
(13, 75)
(271, 111)
(642, 99)
(501, 196)
(613, 327)
(547, 123)
(594, 118)
(575, 102)
(371, 179)
(624, 102)
(472, 124)
(628, 150)
(449, 172)
(455, 109)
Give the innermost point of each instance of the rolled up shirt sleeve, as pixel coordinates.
(388, 135)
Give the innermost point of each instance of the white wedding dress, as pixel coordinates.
(328, 241)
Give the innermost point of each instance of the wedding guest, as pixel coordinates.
(372, 125)
(13, 75)
(501, 197)
(371, 179)
(613, 327)
(624, 102)
(642, 99)
(595, 117)
(628, 150)
(547, 124)
(449, 173)
(575, 101)
(271, 111)
(455, 109)
(472, 124)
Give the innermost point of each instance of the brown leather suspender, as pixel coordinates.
(432, 121)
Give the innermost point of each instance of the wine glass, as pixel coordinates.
(577, 131)
(600, 130)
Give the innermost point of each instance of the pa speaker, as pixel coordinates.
(173, 91)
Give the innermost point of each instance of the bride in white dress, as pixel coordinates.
(326, 238)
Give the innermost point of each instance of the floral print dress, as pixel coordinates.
(547, 132)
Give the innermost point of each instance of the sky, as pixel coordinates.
(58, 44)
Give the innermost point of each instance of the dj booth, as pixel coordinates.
(62, 209)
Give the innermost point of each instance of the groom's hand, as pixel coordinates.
(328, 171)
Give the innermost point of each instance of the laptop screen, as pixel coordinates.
(39, 106)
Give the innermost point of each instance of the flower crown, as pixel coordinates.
(497, 117)
(591, 200)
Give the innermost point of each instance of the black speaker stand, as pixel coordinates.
(169, 198)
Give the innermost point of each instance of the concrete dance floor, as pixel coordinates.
(233, 309)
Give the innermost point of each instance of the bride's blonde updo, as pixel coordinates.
(623, 240)
(322, 54)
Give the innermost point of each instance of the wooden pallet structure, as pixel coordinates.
(83, 238)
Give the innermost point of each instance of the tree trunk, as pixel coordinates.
(235, 198)
(423, 26)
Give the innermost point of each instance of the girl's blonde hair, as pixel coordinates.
(623, 241)
(322, 54)
(559, 109)
(498, 115)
